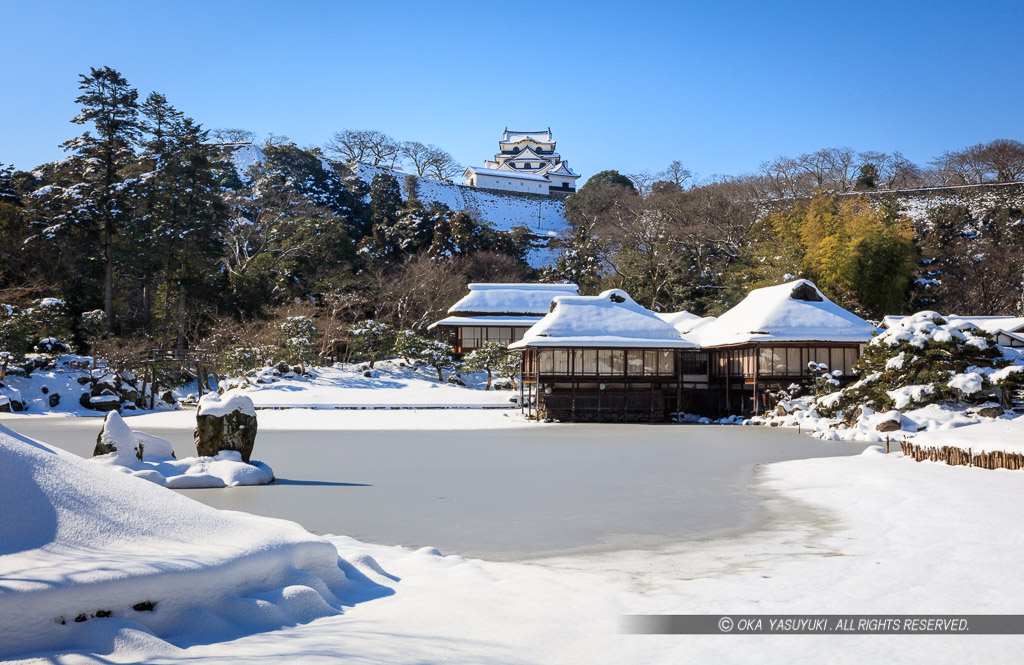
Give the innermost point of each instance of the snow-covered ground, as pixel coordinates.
(867, 534)
(393, 384)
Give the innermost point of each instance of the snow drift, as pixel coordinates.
(90, 558)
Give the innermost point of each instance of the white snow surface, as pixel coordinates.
(78, 541)
(682, 321)
(773, 314)
(857, 535)
(212, 404)
(522, 298)
(393, 384)
(610, 319)
(1002, 434)
(158, 465)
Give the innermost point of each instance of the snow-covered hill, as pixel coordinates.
(543, 215)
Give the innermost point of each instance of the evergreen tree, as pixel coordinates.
(372, 340)
(432, 352)
(924, 359)
(492, 358)
(385, 199)
(111, 106)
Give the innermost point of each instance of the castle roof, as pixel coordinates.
(515, 137)
(504, 173)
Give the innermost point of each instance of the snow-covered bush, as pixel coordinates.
(823, 382)
(299, 340)
(924, 359)
(43, 328)
(241, 359)
(49, 324)
(372, 340)
(92, 326)
(493, 358)
(432, 352)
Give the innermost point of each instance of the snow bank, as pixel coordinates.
(89, 557)
(1005, 435)
(393, 384)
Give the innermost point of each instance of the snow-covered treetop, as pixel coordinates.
(792, 312)
(989, 324)
(511, 299)
(611, 319)
(928, 326)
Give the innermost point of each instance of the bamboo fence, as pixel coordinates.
(954, 456)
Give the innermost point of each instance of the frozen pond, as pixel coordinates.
(500, 493)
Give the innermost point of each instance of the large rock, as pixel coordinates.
(225, 422)
(116, 438)
(990, 411)
(892, 422)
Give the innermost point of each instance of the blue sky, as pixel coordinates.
(720, 86)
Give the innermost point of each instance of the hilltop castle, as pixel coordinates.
(525, 162)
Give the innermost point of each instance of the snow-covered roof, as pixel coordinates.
(539, 137)
(562, 168)
(511, 299)
(504, 173)
(527, 154)
(484, 320)
(611, 319)
(989, 324)
(681, 321)
(792, 312)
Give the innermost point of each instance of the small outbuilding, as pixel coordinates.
(497, 312)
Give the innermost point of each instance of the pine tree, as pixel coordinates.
(492, 357)
(111, 106)
(372, 340)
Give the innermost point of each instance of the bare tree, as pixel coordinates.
(642, 181)
(230, 135)
(418, 155)
(676, 173)
(359, 146)
(898, 172)
(1004, 159)
(441, 164)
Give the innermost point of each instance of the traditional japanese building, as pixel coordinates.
(497, 313)
(604, 358)
(765, 343)
(525, 162)
(607, 358)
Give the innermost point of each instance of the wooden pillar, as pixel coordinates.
(522, 380)
(757, 364)
(728, 382)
